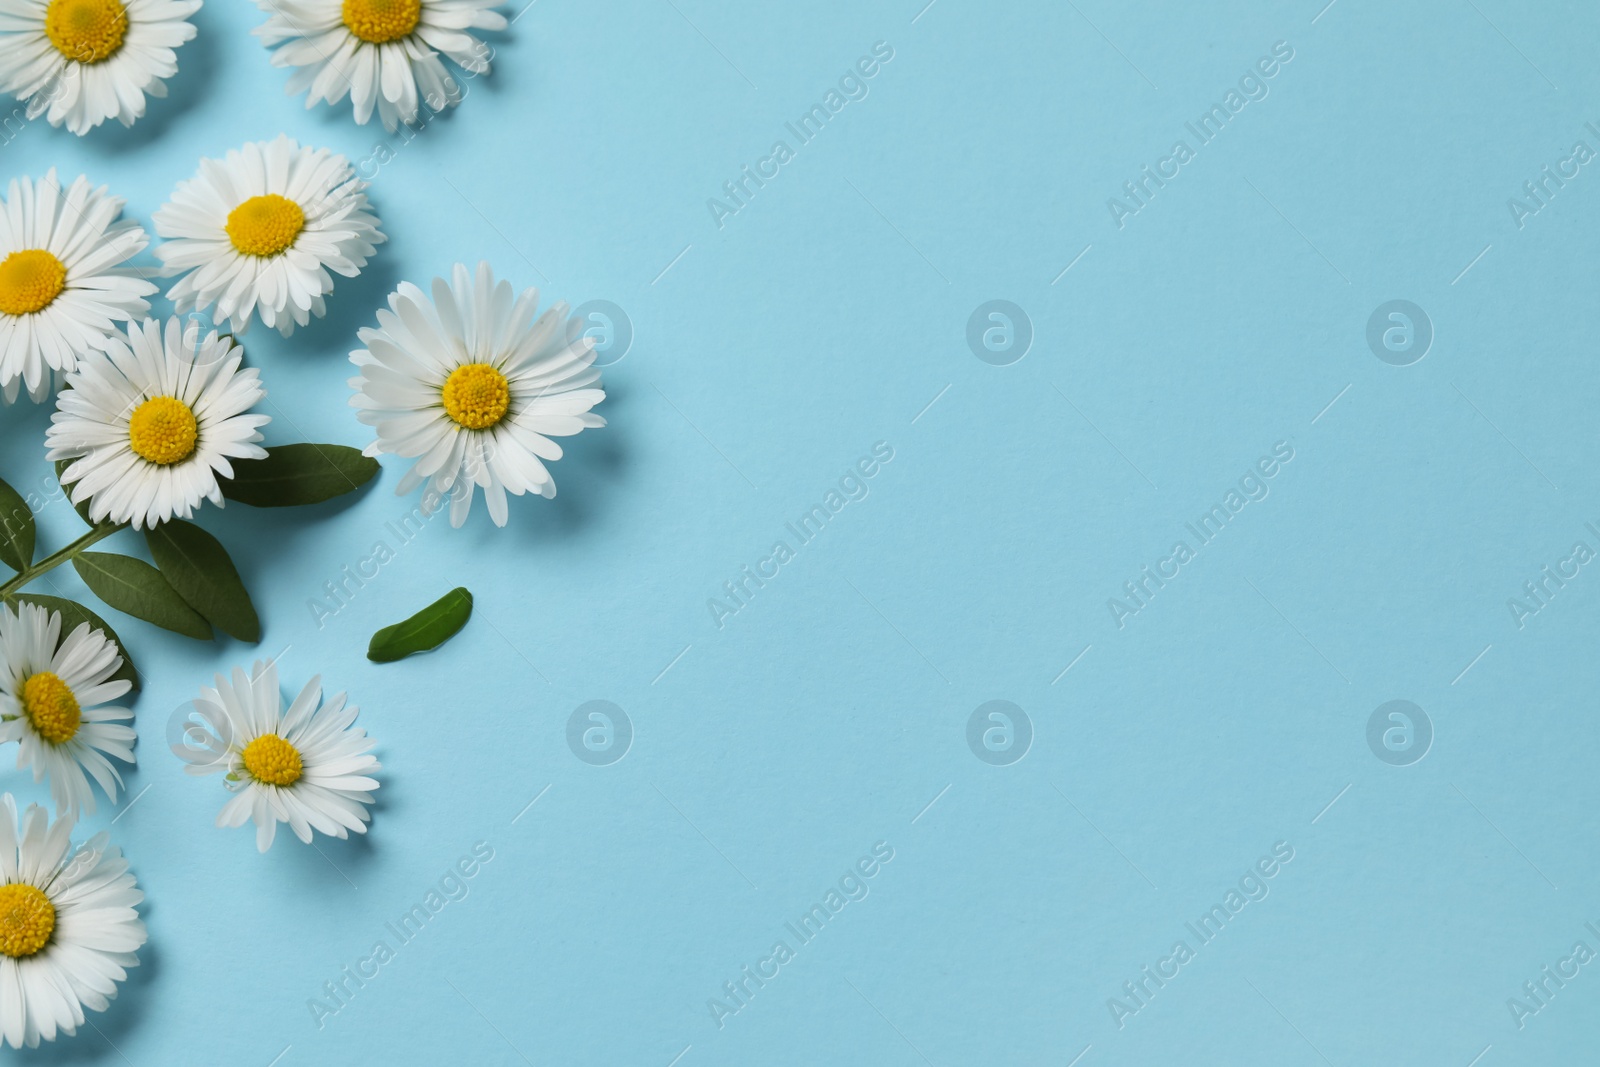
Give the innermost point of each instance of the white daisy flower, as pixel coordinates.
(473, 388)
(259, 230)
(52, 697)
(62, 279)
(381, 52)
(69, 925)
(309, 766)
(153, 422)
(80, 62)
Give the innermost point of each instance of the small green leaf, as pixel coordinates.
(197, 566)
(71, 615)
(16, 529)
(424, 631)
(292, 475)
(133, 586)
(80, 506)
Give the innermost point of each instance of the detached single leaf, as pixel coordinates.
(197, 566)
(133, 586)
(80, 506)
(16, 529)
(71, 615)
(424, 631)
(292, 475)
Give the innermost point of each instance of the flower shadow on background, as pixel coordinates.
(332, 865)
(22, 428)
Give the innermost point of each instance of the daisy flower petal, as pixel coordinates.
(471, 386)
(151, 423)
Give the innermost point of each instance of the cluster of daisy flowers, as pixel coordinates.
(69, 928)
(307, 765)
(253, 235)
(81, 62)
(466, 379)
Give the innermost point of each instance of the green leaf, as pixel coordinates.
(80, 506)
(197, 566)
(133, 586)
(16, 529)
(292, 475)
(424, 631)
(71, 615)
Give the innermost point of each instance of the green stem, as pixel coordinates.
(55, 559)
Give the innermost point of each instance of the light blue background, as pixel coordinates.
(825, 716)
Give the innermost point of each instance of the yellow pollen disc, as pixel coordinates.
(272, 760)
(381, 21)
(86, 31)
(30, 281)
(162, 430)
(476, 396)
(51, 708)
(265, 225)
(27, 919)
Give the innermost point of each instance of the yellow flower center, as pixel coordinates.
(476, 396)
(272, 760)
(381, 21)
(30, 280)
(86, 31)
(163, 430)
(265, 225)
(51, 708)
(27, 919)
